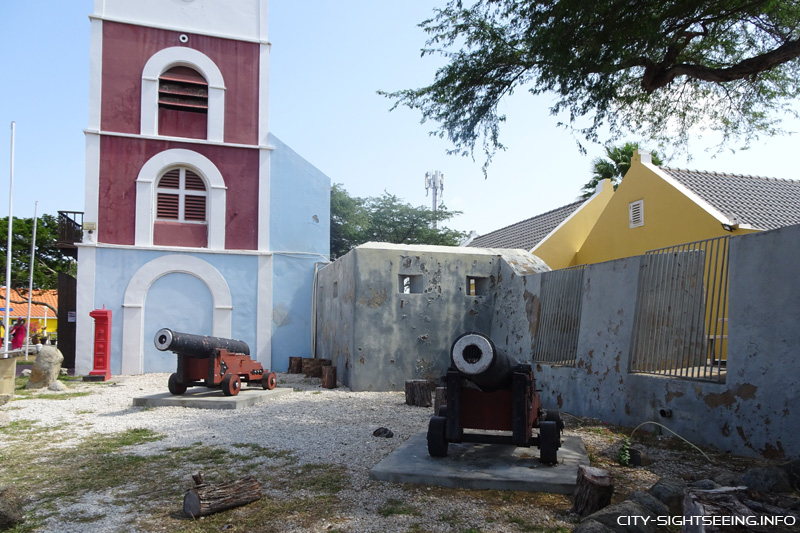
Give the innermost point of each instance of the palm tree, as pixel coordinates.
(613, 167)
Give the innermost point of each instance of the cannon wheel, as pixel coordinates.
(231, 385)
(269, 381)
(549, 442)
(174, 386)
(554, 415)
(437, 443)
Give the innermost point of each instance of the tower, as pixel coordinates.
(200, 219)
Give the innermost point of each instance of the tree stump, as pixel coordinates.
(439, 399)
(205, 499)
(312, 367)
(329, 377)
(593, 491)
(295, 365)
(418, 392)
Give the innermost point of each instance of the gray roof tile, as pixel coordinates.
(763, 203)
(527, 233)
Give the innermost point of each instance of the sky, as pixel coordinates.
(327, 62)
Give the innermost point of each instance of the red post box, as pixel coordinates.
(102, 342)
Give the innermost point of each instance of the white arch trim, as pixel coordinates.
(146, 196)
(175, 56)
(136, 293)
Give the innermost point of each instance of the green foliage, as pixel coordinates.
(393, 506)
(614, 166)
(385, 218)
(624, 455)
(658, 69)
(49, 259)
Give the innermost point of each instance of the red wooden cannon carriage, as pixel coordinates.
(487, 393)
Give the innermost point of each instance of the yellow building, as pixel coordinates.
(654, 207)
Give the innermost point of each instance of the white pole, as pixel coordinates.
(30, 278)
(8, 248)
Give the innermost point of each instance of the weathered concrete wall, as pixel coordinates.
(753, 413)
(382, 337)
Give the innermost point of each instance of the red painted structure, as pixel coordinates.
(102, 342)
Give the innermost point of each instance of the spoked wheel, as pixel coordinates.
(231, 385)
(174, 386)
(549, 442)
(269, 381)
(437, 443)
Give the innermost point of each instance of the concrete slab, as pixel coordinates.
(203, 398)
(483, 466)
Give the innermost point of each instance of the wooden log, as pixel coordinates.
(593, 490)
(312, 367)
(439, 399)
(418, 392)
(329, 377)
(295, 365)
(205, 499)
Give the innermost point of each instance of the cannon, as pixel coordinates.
(487, 392)
(212, 362)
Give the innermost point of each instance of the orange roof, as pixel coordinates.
(21, 309)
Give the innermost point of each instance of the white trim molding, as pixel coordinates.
(136, 294)
(146, 196)
(164, 60)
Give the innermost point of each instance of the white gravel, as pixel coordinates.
(317, 425)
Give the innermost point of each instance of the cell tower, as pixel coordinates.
(434, 180)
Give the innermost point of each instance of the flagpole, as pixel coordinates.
(8, 248)
(30, 278)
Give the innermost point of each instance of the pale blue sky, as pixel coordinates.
(328, 59)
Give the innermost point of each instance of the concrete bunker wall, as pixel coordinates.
(754, 412)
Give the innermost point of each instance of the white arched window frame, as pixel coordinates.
(146, 182)
(178, 56)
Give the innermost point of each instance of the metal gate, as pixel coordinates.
(681, 320)
(560, 319)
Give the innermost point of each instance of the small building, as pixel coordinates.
(196, 218)
(387, 313)
(43, 313)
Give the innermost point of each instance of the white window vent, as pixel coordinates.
(636, 213)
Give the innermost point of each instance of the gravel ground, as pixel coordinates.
(322, 426)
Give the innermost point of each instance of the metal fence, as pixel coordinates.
(681, 319)
(560, 316)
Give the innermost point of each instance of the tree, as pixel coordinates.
(49, 259)
(613, 167)
(385, 218)
(656, 68)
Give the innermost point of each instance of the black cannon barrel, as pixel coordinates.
(196, 345)
(476, 358)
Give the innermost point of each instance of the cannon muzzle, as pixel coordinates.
(196, 345)
(476, 358)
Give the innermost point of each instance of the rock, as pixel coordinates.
(383, 432)
(626, 516)
(670, 491)
(10, 507)
(4, 420)
(591, 526)
(727, 479)
(5, 398)
(46, 368)
(792, 469)
(767, 479)
(26, 373)
(704, 484)
(64, 371)
(57, 386)
(639, 458)
(647, 500)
